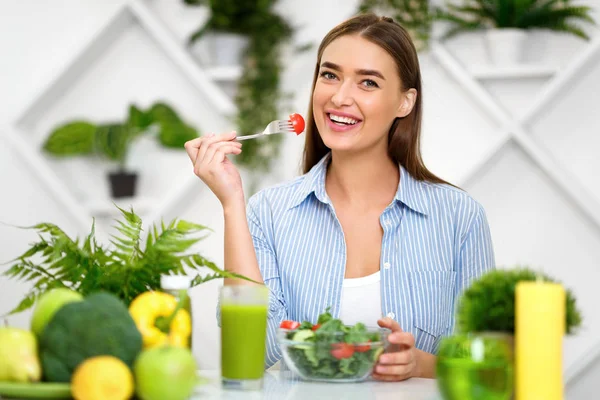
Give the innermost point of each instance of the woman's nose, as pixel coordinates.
(343, 95)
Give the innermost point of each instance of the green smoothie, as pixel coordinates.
(243, 337)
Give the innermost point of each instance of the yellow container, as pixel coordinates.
(540, 309)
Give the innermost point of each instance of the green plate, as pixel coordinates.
(37, 390)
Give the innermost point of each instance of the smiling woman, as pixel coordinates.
(367, 230)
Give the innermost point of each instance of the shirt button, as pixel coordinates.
(386, 265)
(387, 222)
(391, 315)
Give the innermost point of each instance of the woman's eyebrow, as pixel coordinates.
(335, 67)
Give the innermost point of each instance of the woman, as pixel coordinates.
(367, 229)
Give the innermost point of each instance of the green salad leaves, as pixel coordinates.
(330, 350)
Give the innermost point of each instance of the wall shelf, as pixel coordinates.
(117, 23)
(525, 71)
(224, 74)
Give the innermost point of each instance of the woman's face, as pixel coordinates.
(358, 94)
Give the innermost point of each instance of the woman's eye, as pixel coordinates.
(327, 75)
(370, 83)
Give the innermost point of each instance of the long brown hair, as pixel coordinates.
(405, 133)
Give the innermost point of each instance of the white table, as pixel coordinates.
(279, 386)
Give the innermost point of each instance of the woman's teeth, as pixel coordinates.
(342, 120)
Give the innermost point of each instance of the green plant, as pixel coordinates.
(258, 94)
(127, 268)
(113, 140)
(414, 15)
(489, 303)
(557, 15)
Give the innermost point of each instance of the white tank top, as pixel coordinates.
(361, 300)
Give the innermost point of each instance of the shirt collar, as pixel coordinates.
(313, 182)
(410, 191)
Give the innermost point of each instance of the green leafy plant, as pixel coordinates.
(414, 15)
(556, 15)
(258, 93)
(128, 268)
(489, 303)
(113, 140)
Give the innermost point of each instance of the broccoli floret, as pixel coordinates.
(99, 325)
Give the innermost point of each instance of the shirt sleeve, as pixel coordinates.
(476, 254)
(269, 269)
(267, 263)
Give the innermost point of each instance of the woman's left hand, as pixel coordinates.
(401, 361)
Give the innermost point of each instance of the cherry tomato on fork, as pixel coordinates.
(287, 324)
(297, 123)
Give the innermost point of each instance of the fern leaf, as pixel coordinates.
(189, 227)
(202, 262)
(149, 240)
(26, 303)
(89, 239)
(198, 279)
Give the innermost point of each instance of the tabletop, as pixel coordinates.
(282, 386)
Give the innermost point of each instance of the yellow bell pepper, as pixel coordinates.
(152, 311)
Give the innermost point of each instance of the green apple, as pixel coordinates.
(19, 360)
(48, 304)
(165, 373)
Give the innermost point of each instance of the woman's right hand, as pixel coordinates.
(208, 154)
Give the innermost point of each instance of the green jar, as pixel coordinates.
(178, 286)
(476, 366)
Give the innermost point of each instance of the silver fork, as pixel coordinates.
(277, 126)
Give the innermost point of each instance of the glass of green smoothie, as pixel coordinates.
(243, 335)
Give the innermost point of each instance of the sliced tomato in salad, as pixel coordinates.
(362, 348)
(342, 350)
(297, 123)
(315, 327)
(288, 324)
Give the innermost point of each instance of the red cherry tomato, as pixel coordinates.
(342, 350)
(297, 123)
(361, 348)
(315, 327)
(287, 324)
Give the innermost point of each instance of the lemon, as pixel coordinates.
(102, 377)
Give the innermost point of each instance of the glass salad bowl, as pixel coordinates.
(332, 352)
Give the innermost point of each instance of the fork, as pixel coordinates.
(277, 126)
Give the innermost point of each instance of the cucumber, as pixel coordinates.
(303, 335)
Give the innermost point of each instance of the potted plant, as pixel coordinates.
(128, 267)
(506, 22)
(488, 305)
(415, 16)
(227, 29)
(113, 140)
(480, 356)
(258, 96)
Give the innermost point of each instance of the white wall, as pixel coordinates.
(533, 221)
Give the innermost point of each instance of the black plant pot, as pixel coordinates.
(122, 184)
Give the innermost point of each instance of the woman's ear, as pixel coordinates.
(408, 102)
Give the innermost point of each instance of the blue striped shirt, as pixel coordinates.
(436, 239)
